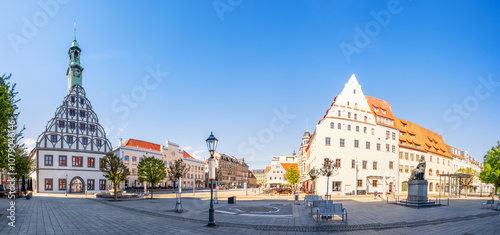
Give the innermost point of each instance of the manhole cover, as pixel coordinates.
(257, 209)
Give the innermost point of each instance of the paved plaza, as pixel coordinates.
(250, 215)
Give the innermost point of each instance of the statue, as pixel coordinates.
(419, 172)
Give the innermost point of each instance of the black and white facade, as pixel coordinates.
(69, 151)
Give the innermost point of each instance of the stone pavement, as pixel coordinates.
(61, 215)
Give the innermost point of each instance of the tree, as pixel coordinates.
(114, 170)
(292, 176)
(176, 172)
(23, 167)
(151, 170)
(313, 175)
(491, 171)
(467, 181)
(329, 169)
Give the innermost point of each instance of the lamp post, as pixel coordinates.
(211, 145)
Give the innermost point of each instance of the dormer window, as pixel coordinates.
(92, 128)
(72, 99)
(383, 111)
(376, 109)
(82, 101)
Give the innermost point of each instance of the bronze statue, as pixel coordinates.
(419, 172)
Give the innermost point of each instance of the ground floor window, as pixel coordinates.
(431, 187)
(62, 184)
(375, 183)
(48, 184)
(90, 184)
(102, 184)
(360, 183)
(404, 187)
(337, 186)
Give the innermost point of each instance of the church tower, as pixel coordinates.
(75, 70)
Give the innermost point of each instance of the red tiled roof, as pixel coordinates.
(250, 174)
(381, 105)
(142, 144)
(186, 155)
(268, 168)
(287, 166)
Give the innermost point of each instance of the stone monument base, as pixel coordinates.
(417, 191)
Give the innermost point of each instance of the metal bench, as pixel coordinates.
(310, 198)
(318, 202)
(331, 209)
(488, 204)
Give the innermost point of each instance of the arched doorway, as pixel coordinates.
(391, 185)
(76, 185)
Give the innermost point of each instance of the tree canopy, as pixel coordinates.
(151, 170)
(466, 182)
(114, 170)
(177, 170)
(313, 175)
(491, 171)
(292, 176)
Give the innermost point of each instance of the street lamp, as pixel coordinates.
(211, 145)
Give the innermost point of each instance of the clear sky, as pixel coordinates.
(254, 72)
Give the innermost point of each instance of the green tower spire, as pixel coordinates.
(74, 71)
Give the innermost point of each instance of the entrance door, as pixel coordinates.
(76, 185)
(390, 187)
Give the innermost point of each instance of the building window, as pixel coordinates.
(90, 162)
(430, 172)
(374, 165)
(391, 165)
(364, 164)
(78, 161)
(126, 158)
(348, 127)
(412, 157)
(406, 156)
(82, 126)
(337, 186)
(62, 161)
(327, 140)
(85, 140)
(332, 125)
(62, 184)
(102, 184)
(360, 183)
(373, 131)
(400, 168)
(406, 168)
(430, 157)
(404, 186)
(140, 159)
(437, 160)
(48, 184)
(357, 128)
(387, 146)
(378, 147)
(387, 133)
(431, 187)
(337, 162)
(98, 143)
(355, 116)
(364, 129)
(82, 101)
(367, 144)
(339, 113)
(394, 149)
(353, 164)
(82, 114)
(356, 143)
(134, 159)
(69, 139)
(437, 173)
(342, 142)
(375, 183)
(366, 119)
(400, 155)
(61, 124)
(72, 112)
(349, 114)
(90, 184)
(53, 138)
(347, 103)
(48, 160)
(92, 128)
(72, 125)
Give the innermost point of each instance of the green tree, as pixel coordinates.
(313, 175)
(467, 181)
(329, 169)
(292, 176)
(175, 172)
(491, 171)
(24, 166)
(151, 170)
(114, 170)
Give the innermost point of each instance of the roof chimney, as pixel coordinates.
(119, 142)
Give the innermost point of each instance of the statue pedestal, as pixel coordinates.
(417, 190)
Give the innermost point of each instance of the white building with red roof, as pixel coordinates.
(279, 166)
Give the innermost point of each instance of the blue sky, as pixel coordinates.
(235, 68)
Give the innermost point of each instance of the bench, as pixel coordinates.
(310, 198)
(318, 202)
(488, 204)
(331, 209)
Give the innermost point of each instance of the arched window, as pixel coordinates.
(169, 163)
(431, 187)
(349, 115)
(357, 128)
(430, 172)
(354, 91)
(339, 113)
(437, 173)
(366, 118)
(134, 159)
(126, 158)
(348, 127)
(437, 187)
(164, 162)
(364, 129)
(140, 159)
(355, 116)
(332, 125)
(339, 126)
(404, 186)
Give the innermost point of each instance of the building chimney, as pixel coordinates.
(120, 142)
